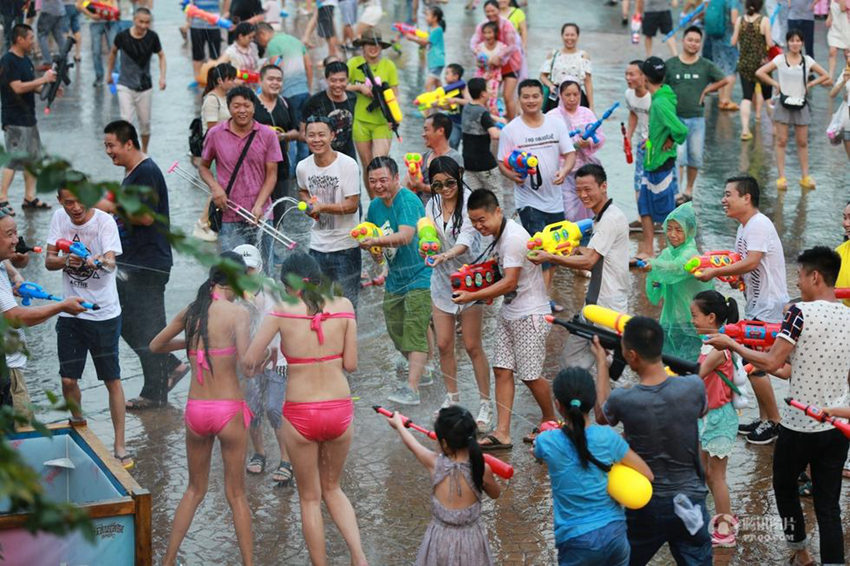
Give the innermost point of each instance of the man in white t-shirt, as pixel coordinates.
(521, 326)
(547, 138)
(606, 257)
(638, 100)
(763, 270)
(333, 180)
(16, 360)
(94, 331)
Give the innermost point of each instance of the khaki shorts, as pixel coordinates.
(367, 131)
(521, 346)
(24, 141)
(20, 395)
(407, 317)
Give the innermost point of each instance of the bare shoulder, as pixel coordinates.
(339, 304)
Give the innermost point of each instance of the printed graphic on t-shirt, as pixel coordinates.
(752, 279)
(387, 229)
(532, 142)
(324, 188)
(79, 276)
(341, 121)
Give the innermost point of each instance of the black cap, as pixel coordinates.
(654, 69)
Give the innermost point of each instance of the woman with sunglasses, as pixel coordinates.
(460, 244)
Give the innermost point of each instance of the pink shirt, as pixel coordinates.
(578, 120)
(512, 57)
(224, 147)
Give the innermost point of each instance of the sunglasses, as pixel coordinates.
(438, 186)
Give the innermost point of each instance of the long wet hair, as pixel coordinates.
(302, 267)
(197, 313)
(575, 391)
(456, 427)
(447, 165)
(724, 309)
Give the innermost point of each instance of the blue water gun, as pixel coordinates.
(590, 129)
(29, 291)
(79, 249)
(686, 21)
(775, 13)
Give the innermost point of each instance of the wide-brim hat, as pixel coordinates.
(371, 36)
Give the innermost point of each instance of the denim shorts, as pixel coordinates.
(605, 546)
(656, 523)
(77, 337)
(690, 152)
(342, 267)
(640, 155)
(436, 72)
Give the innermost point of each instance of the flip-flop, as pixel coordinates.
(682, 198)
(77, 421)
(494, 444)
(175, 376)
(126, 461)
(142, 404)
(35, 204)
(529, 438)
(7, 207)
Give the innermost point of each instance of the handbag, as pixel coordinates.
(214, 213)
(794, 102)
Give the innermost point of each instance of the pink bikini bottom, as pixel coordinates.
(320, 421)
(206, 417)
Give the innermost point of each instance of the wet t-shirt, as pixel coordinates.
(147, 246)
(331, 184)
(341, 115)
(766, 288)
(136, 56)
(17, 109)
(475, 123)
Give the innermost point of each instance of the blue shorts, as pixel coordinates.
(640, 155)
(73, 18)
(534, 220)
(605, 546)
(76, 337)
(435, 72)
(657, 197)
(690, 152)
(724, 55)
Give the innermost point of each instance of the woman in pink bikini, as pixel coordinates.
(217, 333)
(318, 337)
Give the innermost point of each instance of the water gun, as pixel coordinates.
(500, 468)
(248, 76)
(476, 277)
(103, 11)
(482, 59)
(438, 96)
(696, 264)
(627, 144)
(590, 129)
(76, 248)
(307, 206)
(410, 29)
(383, 98)
(21, 247)
(29, 291)
(525, 164)
(685, 21)
(607, 318)
(413, 162)
(429, 241)
(193, 11)
(752, 333)
(842, 293)
(637, 24)
(560, 238)
(819, 416)
(61, 65)
(376, 282)
(368, 230)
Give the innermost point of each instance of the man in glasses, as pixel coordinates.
(436, 132)
(329, 181)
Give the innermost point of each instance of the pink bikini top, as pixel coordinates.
(316, 321)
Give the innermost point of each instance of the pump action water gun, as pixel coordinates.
(842, 293)
(76, 248)
(410, 29)
(560, 238)
(193, 11)
(637, 23)
(368, 230)
(500, 468)
(720, 258)
(754, 334)
(607, 318)
(61, 65)
(685, 21)
(476, 277)
(438, 96)
(383, 98)
(248, 76)
(103, 11)
(820, 416)
(525, 164)
(307, 206)
(590, 129)
(413, 162)
(21, 247)
(429, 241)
(29, 291)
(627, 144)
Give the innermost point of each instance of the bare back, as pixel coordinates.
(227, 333)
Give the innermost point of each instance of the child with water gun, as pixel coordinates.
(719, 427)
(435, 57)
(667, 283)
(590, 526)
(485, 51)
(459, 478)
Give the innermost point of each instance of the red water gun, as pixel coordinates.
(500, 468)
(193, 11)
(627, 145)
(248, 76)
(819, 416)
(752, 333)
(720, 258)
(78, 249)
(842, 293)
(106, 12)
(475, 277)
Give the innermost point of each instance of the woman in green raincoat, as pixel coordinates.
(669, 283)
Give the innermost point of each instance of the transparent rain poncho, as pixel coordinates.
(669, 283)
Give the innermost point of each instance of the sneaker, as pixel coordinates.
(428, 376)
(485, 415)
(404, 395)
(202, 232)
(748, 428)
(450, 400)
(765, 433)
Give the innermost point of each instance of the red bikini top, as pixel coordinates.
(316, 321)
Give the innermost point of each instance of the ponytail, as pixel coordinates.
(724, 309)
(575, 391)
(438, 13)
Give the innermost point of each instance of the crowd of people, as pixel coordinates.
(276, 130)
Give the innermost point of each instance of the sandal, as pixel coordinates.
(77, 421)
(35, 203)
(176, 375)
(126, 460)
(728, 106)
(682, 198)
(782, 183)
(282, 476)
(257, 464)
(806, 489)
(746, 136)
(494, 443)
(142, 404)
(529, 438)
(555, 307)
(7, 207)
(807, 182)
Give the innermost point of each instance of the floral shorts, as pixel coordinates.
(718, 430)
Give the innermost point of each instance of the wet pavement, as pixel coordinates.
(388, 488)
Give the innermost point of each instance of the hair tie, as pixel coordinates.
(575, 403)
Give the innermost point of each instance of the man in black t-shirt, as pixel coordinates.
(18, 86)
(335, 103)
(145, 266)
(479, 129)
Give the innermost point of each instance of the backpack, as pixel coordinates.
(715, 18)
(196, 137)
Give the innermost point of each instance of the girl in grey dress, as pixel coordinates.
(459, 475)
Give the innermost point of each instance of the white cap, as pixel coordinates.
(251, 255)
